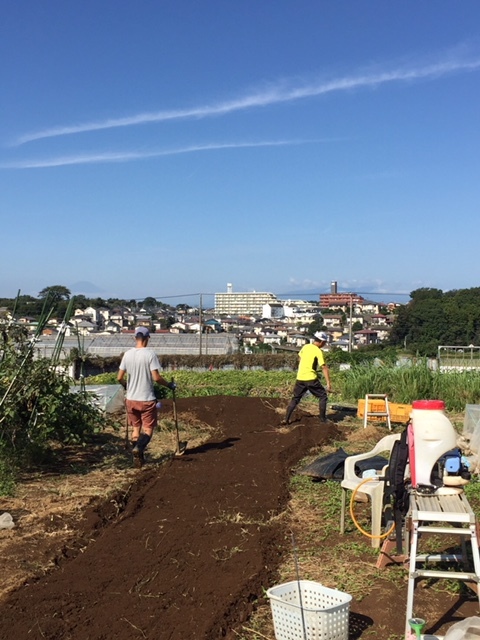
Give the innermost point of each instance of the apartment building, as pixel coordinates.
(243, 303)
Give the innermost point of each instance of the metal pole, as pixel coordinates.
(350, 328)
(200, 325)
(299, 585)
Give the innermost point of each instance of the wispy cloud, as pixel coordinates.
(128, 156)
(269, 96)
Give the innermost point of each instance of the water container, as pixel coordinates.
(433, 435)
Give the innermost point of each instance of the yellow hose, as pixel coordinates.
(355, 521)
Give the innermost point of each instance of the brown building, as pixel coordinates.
(340, 299)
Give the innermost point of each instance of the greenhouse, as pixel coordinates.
(162, 343)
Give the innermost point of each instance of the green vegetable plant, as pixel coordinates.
(37, 407)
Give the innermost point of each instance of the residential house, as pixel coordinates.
(118, 318)
(86, 327)
(143, 321)
(273, 310)
(332, 320)
(379, 319)
(270, 338)
(112, 327)
(366, 336)
(335, 334)
(104, 315)
(250, 339)
(179, 327)
(213, 325)
(297, 339)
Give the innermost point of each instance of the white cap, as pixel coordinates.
(320, 336)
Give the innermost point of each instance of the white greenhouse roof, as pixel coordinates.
(162, 343)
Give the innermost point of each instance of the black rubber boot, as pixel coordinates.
(143, 440)
(290, 410)
(322, 405)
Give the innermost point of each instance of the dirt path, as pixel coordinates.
(190, 547)
(186, 551)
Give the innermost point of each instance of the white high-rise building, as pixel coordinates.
(244, 303)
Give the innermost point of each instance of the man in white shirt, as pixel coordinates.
(141, 366)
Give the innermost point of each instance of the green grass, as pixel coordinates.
(401, 384)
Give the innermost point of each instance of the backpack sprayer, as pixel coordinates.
(425, 460)
(436, 463)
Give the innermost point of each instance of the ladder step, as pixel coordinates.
(378, 413)
(450, 575)
(439, 557)
(454, 531)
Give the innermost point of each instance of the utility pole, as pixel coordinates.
(350, 325)
(200, 325)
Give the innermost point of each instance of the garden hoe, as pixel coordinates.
(181, 445)
(127, 441)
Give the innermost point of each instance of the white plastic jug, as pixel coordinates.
(433, 435)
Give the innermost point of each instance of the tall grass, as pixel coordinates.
(416, 382)
(401, 384)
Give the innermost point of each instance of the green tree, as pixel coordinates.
(26, 306)
(433, 318)
(57, 291)
(316, 325)
(149, 303)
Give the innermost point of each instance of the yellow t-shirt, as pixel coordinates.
(311, 357)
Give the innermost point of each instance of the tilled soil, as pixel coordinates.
(186, 552)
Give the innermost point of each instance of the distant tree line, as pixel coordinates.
(433, 318)
(59, 295)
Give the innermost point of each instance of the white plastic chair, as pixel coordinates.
(374, 488)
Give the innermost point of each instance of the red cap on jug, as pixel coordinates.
(429, 405)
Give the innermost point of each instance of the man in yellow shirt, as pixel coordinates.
(311, 358)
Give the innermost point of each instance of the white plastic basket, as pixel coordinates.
(322, 612)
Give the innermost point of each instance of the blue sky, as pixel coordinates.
(164, 148)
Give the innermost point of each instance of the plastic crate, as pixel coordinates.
(317, 613)
(398, 412)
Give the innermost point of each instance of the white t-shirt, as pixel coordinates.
(139, 364)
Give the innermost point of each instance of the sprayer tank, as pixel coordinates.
(433, 435)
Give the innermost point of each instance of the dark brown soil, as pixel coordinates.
(186, 552)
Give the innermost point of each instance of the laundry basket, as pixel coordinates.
(317, 613)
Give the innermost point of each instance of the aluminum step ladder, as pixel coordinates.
(441, 515)
(369, 399)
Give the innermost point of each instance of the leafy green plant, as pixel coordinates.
(37, 407)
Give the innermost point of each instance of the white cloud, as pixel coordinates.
(270, 96)
(127, 156)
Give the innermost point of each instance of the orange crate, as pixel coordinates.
(398, 412)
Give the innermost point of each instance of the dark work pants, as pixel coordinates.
(316, 389)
